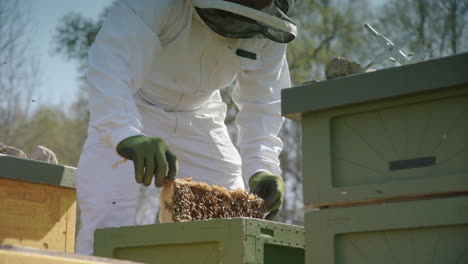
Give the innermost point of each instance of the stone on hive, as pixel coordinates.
(340, 67)
(44, 154)
(11, 151)
(185, 200)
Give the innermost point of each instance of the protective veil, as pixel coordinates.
(248, 18)
(155, 69)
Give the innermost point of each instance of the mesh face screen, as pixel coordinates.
(236, 26)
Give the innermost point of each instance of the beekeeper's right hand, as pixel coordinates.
(151, 156)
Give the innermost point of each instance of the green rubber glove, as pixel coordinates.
(271, 189)
(151, 156)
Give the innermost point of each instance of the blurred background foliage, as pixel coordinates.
(327, 28)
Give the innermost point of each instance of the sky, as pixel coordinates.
(59, 77)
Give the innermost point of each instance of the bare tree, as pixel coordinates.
(327, 28)
(19, 74)
(441, 26)
(74, 36)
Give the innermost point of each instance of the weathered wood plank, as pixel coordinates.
(37, 215)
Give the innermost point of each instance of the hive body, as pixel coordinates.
(228, 241)
(395, 132)
(416, 232)
(37, 204)
(21, 255)
(385, 160)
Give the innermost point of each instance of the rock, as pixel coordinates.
(340, 67)
(44, 154)
(11, 151)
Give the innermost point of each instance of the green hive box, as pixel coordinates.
(418, 232)
(228, 241)
(396, 132)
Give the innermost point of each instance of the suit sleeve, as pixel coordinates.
(258, 97)
(118, 60)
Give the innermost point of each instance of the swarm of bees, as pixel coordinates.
(185, 200)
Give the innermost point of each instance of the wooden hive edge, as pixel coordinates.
(397, 199)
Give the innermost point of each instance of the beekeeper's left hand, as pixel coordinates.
(271, 189)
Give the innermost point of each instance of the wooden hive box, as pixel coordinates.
(228, 241)
(395, 132)
(20, 255)
(417, 232)
(37, 204)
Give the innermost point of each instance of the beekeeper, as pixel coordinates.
(154, 74)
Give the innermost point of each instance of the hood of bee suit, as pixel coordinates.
(252, 19)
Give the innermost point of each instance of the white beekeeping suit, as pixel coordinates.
(155, 69)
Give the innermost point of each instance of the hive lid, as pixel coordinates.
(36, 171)
(392, 82)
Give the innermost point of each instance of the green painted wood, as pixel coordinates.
(349, 150)
(419, 232)
(207, 252)
(238, 240)
(398, 81)
(37, 171)
(280, 254)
